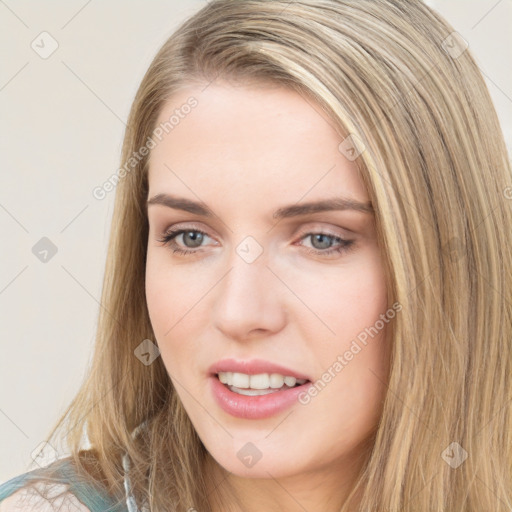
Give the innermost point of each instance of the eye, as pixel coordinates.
(324, 244)
(194, 237)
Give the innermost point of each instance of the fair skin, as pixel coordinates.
(246, 151)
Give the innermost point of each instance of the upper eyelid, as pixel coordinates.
(190, 225)
(170, 236)
(300, 235)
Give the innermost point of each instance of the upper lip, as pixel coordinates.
(254, 367)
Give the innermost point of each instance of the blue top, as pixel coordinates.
(92, 496)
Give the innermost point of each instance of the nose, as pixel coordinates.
(249, 301)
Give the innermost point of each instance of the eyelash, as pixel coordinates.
(346, 245)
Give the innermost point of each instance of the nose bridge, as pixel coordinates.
(248, 273)
(247, 298)
(247, 280)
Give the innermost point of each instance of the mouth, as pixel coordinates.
(256, 396)
(256, 388)
(259, 384)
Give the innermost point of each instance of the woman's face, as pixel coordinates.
(268, 286)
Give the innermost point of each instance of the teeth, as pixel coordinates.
(258, 382)
(225, 377)
(276, 380)
(253, 392)
(290, 381)
(240, 380)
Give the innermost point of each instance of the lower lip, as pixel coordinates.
(255, 407)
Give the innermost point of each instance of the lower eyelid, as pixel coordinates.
(169, 236)
(179, 230)
(336, 238)
(175, 233)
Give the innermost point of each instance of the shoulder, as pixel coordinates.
(55, 488)
(43, 497)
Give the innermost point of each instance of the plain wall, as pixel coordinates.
(62, 124)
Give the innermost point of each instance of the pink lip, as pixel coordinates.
(254, 407)
(254, 367)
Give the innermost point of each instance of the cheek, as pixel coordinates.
(362, 338)
(170, 292)
(348, 299)
(364, 299)
(353, 303)
(364, 284)
(178, 309)
(160, 296)
(166, 300)
(354, 363)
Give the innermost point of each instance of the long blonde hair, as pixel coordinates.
(394, 74)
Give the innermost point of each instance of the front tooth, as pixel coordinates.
(226, 377)
(290, 381)
(240, 380)
(276, 380)
(260, 381)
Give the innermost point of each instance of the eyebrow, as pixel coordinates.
(295, 210)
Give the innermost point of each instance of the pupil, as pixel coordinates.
(320, 237)
(195, 236)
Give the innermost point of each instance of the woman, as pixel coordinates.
(307, 300)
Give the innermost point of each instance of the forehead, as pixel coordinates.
(255, 144)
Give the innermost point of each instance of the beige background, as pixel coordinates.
(61, 132)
